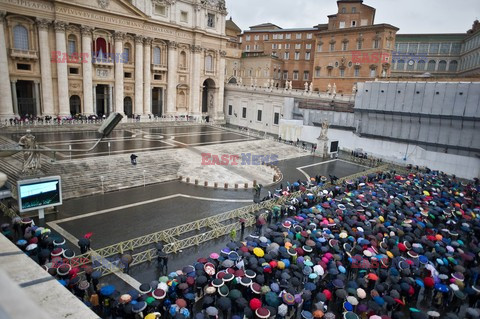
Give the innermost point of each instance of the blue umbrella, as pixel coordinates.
(139, 306)
(107, 290)
(296, 184)
(419, 282)
(379, 300)
(310, 286)
(441, 287)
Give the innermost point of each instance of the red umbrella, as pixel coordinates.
(372, 276)
(429, 282)
(181, 303)
(88, 235)
(399, 301)
(328, 294)
(255, 303)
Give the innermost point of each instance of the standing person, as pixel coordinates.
(162, 261)
(133, 159)
(233, 235)
(242, 228)
(269, 217)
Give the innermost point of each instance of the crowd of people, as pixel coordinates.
(383, 246)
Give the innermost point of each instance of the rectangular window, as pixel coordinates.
(259, 115)
(342, 72)
(286, 55)
(285, 75)
(298, 46)
(372, 73)
(211, 20)
(275, 36)
(434, 48)
(24, 67)
(274, 46)
(295, 75)
(276, 118)
(280, 46)
(257, 37)
(244, 112)
(160, 10)
(307, 55)
(247, 38)
(157, 77)
(280, 37)
(319, 48)
(287, 46)
(288, 36)
(344, 46)
(445, 48)
(308, 46)
(354, 23)
(309, 35)
(128, 75)
(423, 48)
(297, 55)
(413, 48)
(376, 43)
(317, 73)
(230, 109)
(73, 70)
(306, 75)
(332, 47)
(183, 16)
(255, 47)
(356, 72)
(265, 37)
(402, 47)
(247, 47)
(298, 36)
(72, 47)
(359, 45)
(341, 25)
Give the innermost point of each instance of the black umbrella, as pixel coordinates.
(224, 303)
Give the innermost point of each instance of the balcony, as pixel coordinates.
(24, 54)
(159, 67)
(102, 61)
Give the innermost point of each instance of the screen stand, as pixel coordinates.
(41, 213)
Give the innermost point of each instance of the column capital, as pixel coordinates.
(172, 45)
(119, 36)
(13, 81)
(86, 30)
(196, 48)
(43, 24)
(147, 41)
(139, 39)
(3, 13)
(59, 25)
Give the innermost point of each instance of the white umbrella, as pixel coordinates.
(318, 270)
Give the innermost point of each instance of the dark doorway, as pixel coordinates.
(102, 99)
(207, 95)
(25, 98)
(233, 81)
(127, 106)
(75, 105)
(157, 102)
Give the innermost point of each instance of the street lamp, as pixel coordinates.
(144, 171)
(102, 178)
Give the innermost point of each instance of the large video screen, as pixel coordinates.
(39, 193)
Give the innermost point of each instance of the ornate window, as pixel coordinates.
(72, 45)
(211, 20)
(127, 49)
(157, 55)
(183, 60)
(20, 38)
(209, 63)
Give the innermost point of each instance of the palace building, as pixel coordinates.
(137, 57)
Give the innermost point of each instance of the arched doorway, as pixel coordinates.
(232, 80)
(127, 106)
(75, 105)
(208, 96)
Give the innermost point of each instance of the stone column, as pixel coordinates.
(138, 74)
(45, 67)
(94, 93)
(119, 36)
(172, 78)
(6, 105)
(196, 85)
(62, 74)
(36, 89)
(147, 77)
(87, 70)
(13, 95)
(221, 85)
(110, 98)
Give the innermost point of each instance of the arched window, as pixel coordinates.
(421, 65)
(20, 38)
(72, 45)
(401, 65)
(75, 105)
(157, 55)
(209, 63)
(442, 65)
(431, 65)
(183, 60)
(127, 49)
(453, 66)
(101, 48)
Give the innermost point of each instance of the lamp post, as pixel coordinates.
(144, 171)
(108, 148)
(102, 178)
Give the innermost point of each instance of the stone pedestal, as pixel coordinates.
(322, 147)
